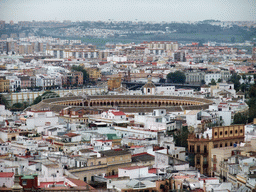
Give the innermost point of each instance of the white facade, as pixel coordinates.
(14, 82)
(116, 58)
(41, 118)
(133, 172)
(21, 163)
(246, 80)
(152, 123)
(225, 117)
(51, 173)
(6, 179)
(4, 148)
(193, 118)
(165, 90)
(4, 113)
(45, 80)
(113, 114)
(208, 77)
(149, 90)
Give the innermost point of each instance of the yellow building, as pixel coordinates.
(114, 83)
(94, 74)
(107, 164)
(4, 84)
(200, 148)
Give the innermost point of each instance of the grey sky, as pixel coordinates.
(128, 10)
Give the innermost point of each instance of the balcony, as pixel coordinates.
(214, 160)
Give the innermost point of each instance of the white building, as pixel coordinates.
(51, 173)
(167, 161)
(149, 88)
(4, 148)
(100, 144)
(116, 58)
(134, 172)
(208, 77)
(46, 80)
(165, 90)
(113, 114)
(171, 91)
(14, 82)
(39, 118)
(6, 179)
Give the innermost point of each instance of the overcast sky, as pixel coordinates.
(128, 10)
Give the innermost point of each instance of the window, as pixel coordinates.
(231, 131)
(241, 131)
(177, 156)
(198, 148)
(226, 144)
(24, 182)
(205, 161)
(215, 133)
(192, 148)
(148, 90)
(221, 133)
(198, 160)
(231, 144)
(99, 162)
(221, 145)
(216, 146)
(236, 131)
(226, 132)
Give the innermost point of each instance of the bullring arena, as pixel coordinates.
(126, 103)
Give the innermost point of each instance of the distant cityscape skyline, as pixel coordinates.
(121, 10)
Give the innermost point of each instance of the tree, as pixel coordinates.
(162, 80)
(37, 100)
(240, 118)
(45, 95)
(17, 106)
(82, 69)
(243, 87)
(249, 79)
(252, 103)
(235, 79)
(18, 89)
(219, 80)
(176, 77)
(3, 101)
(244, 77)
(181, 137)
(213, 82)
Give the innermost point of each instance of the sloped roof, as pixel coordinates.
(117, 113)
(142, 157)
(110, 153)
(71, 134)
(135, 184)
(79, 183)
(6, 174)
